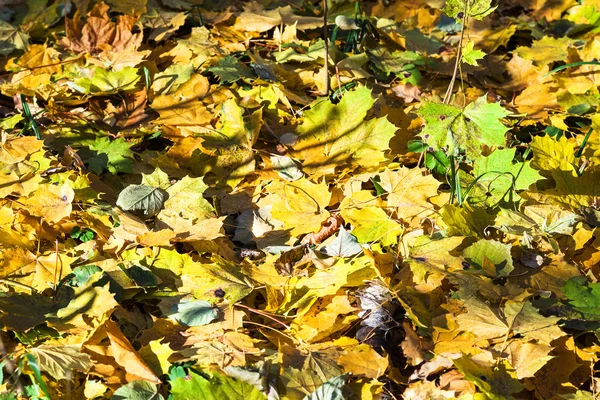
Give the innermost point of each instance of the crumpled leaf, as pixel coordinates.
(97, 32)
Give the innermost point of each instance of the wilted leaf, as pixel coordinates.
(147, 200)
(60, 361)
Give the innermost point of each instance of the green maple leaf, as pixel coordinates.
(497, 253)
(477, 9)
(104, 81)
(470, 55)
(449, 127)
(229, 70)
(215, 386)
(584, 297)
(115, 156)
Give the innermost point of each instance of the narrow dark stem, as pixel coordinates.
(326, 34)
(584, 143)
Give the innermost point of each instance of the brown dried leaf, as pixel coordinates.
(98, 33)
(328, 228)
(407, 92)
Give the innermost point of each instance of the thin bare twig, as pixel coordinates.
(326, 34)
(448, 95)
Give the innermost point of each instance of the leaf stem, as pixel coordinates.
(584, 143)
(575, 64)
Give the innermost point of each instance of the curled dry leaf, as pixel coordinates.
(328, 228)
(407, 92)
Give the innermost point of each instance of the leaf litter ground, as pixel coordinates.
(186, 213)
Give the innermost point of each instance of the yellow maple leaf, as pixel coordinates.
(364, 360)
(156, 355)
(50, 202)
(409, 190)
(300, 205)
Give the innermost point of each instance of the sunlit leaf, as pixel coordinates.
(104, 81)
(194, 313)
(447, 126)
(198, 387)
(333, 135)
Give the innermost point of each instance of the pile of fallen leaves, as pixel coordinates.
(188, 212)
